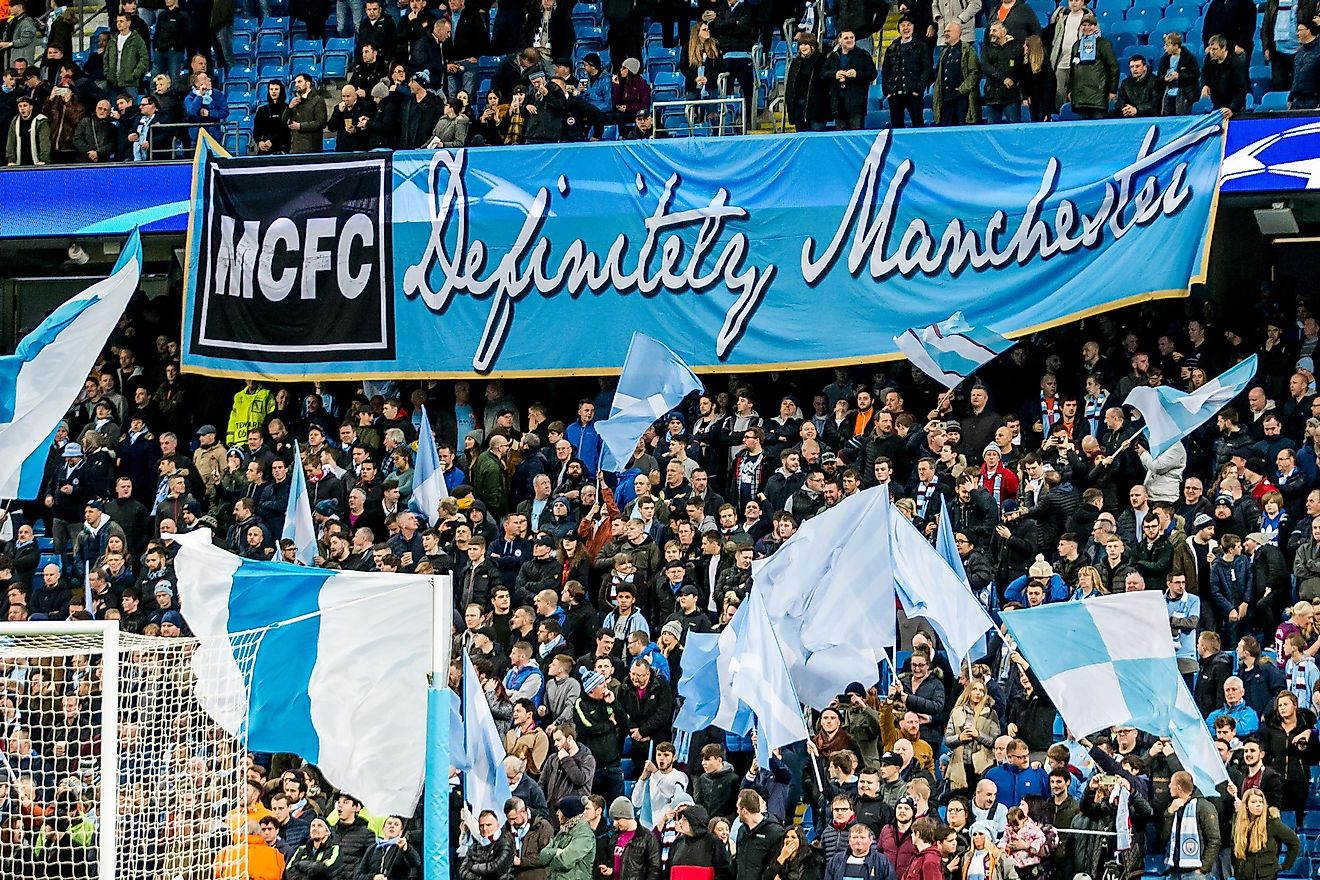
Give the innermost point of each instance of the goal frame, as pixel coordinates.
(108, 805)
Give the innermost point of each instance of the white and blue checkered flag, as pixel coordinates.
(951, 350)
(1109, 661)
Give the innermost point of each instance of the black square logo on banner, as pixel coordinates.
(295, 262)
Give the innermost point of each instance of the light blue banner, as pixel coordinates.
(755, 252)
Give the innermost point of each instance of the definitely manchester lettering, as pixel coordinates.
(669, 256)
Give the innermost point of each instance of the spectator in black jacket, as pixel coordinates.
(850, 72)
(1140, 94)
(171, 39)
(419, 115)
(431, 55)
(470, 40)
(377, 29)
(351, 121)
(1180, 73)
(1224, 77)
(806, 94)
(906, 75)
(1236, 21)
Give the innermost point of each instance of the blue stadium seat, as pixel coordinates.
(653, 46)
(45, 543)
(310, 68)
(248, 27)
(487, 65)
(81, 57)
(666, 93)
(1274, 102)
(275, 72)
(307, 47)
(1125, 45)
(1123, 28)
(242, 49)
(340, 44)
(611, 133)
(275, 24)
(272, 49)
(245, 75)
(928, 116)
(587, 15)
(661, 60)
(1066, 113)
(335, 66)
(1176, 23)
(240, 97)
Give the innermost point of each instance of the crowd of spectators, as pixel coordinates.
(158, 74)
(577, 590)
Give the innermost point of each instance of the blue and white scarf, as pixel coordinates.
(1184, 852)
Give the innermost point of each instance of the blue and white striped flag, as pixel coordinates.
(654, 381)
(1171, 415)
(45, 374)
(951, 350)
(1118, 669)
(327, 665)
(429, 480)
(485, 787)
(929, 588)
(298, 524)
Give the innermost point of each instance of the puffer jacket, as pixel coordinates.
(1091, 84)
(489, 861)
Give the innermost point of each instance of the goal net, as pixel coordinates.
(110, 767)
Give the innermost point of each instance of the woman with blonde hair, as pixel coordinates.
(970, 733)
(985, 860)
(1037, 80)
(700, 63)
(1089, 583)
(1258, 833)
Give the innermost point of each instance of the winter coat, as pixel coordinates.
(849, 96)
(311, 117)
(490, 483)
(570, 854)
(757, 848)
(701, 850)
(1231, 583)
(1306, 568)
(1264, 865)
(641, 857)
(125, 69)
(310, 862)
(1091, 84)
(964, 12)
(970, 86)
(564, 775)
(95, 134)
(489, 861)
(876, 866)
(899, 848)
(906, 69)
(390, 862)
(530, 866)
(1021, 22)
(998, 63)
(981, 748)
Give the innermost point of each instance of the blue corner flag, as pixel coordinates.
(654, 381)
(1171, 414)
(298, 524)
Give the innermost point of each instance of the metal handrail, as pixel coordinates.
(226, 127)
(727, 109)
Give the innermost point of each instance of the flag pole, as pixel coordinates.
(436, 805)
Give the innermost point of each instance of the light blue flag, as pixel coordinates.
(485, 786)
(929, 588)
(752, 671)
(280, 647)
(829, 591)
(642, 803)
(951, 350)
(699, 686)
(429, 480)
(654, 381)
(947, 546)
(1118, 669)
(45, 374)
(298, 524)
(1171, 414)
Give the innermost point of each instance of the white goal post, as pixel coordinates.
(110, 768)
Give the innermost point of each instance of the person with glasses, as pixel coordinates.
(490, 478)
